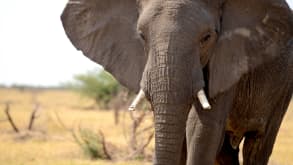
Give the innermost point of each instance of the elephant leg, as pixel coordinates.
(258, 146)
(205, 131)
(203, 140)
(227, 155)
(257, 149)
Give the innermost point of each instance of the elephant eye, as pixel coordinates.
(208, 39)
(141, 35)
(205, 39)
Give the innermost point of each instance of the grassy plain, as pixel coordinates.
(52, 144)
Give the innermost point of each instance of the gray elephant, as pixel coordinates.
(230, 59)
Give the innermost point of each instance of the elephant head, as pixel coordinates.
(172, 49)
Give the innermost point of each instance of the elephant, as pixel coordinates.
(215, 72)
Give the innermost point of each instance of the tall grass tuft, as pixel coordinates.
(93, 144)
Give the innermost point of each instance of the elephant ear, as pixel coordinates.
(105, 31)
(252, 33)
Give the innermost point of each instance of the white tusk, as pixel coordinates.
(137, 99)
(203, 99)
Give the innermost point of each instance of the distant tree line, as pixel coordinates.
(33, 87)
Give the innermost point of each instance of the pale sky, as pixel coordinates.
(33, 47)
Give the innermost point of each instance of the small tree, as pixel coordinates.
(100, 86)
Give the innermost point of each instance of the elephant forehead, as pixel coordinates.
(174, 9)
(74, 2)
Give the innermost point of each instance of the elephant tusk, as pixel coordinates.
(203, 99)
(137, 99)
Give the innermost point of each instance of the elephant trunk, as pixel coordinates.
(171, 104)
(170, 122)
(172, 75)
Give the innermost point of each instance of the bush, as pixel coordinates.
(100, 86)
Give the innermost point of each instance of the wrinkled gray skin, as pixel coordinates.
(239, 51)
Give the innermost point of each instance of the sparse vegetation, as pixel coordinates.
(57, 147)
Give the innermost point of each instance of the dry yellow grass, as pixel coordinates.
(55, 146)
